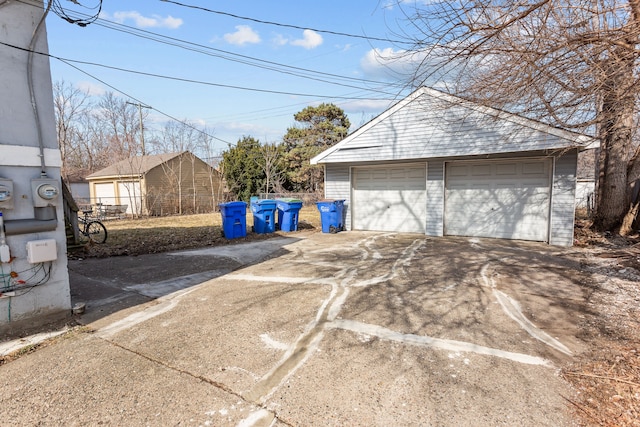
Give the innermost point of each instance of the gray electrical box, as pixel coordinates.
(46, 192)
(6, 194)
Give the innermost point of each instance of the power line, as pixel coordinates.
(246, 60)
(278, 24)
(227, 55)
(139, 101)
(143, 73)
(83, 22)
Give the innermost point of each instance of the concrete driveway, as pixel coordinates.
(318, 329)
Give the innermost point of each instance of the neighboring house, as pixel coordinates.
(79, 190)
(439, 165)
(162, 184)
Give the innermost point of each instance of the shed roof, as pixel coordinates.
(431, 124)
(134, 166)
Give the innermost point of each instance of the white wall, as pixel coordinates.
(20, 161)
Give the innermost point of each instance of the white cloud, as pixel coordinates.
(280, 40)
(310, 39)
(391, 4)
(366, 106)
(232, 131)
(154, 21)
(388, 63)
(243, 35)
(91, 88)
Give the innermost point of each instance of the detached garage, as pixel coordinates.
(439, 165)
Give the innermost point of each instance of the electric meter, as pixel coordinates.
(45, 192)
(6, 194)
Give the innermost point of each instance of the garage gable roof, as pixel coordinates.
(133, 166)
(429, 124)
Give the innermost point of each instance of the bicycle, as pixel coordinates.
(91, 230)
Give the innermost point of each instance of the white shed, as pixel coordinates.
(440, 165)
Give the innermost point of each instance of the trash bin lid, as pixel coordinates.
(233, 204)
(288, 200)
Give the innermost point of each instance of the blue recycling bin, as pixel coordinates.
(288, 211)
(331, 215)
(264, 215)
(234, 219)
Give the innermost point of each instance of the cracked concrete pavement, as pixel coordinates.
(353, 328)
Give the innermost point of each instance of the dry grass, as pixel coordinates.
(163, 234)
(607, 376)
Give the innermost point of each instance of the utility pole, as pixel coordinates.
(140, 106)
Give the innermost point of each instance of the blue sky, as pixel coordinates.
(213, 39)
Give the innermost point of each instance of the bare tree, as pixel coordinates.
(69, 104)
(177, 137)
(205, 147)
(122, 126)
(269, 160)
(571, 63)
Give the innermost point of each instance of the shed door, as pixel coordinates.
(390, 198)
(502, 199)
(105, 193)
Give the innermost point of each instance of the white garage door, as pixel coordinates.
(503, 199)
(390, 199)
(105, 193)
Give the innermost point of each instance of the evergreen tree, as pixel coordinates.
(242, 172)
(317, 129)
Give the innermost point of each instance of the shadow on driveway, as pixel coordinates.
(108, 285)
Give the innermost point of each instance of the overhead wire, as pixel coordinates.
(244, 59)
(161, 76)
(251, 61)
(226, 55)
(138, 100)
(83, 22)
(70, 63)
(278, 24)
(232, 56)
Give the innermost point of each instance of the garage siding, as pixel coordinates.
(411, 130)
(563, 199)
(337, 186)
(435, 198)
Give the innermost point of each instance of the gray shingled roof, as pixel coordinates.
(134, 166)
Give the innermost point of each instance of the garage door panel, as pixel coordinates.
(506, 169)
(506, 203)
(105, 193)
(390, 199)
(533, 169)
(454, 170)
(481, 170)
